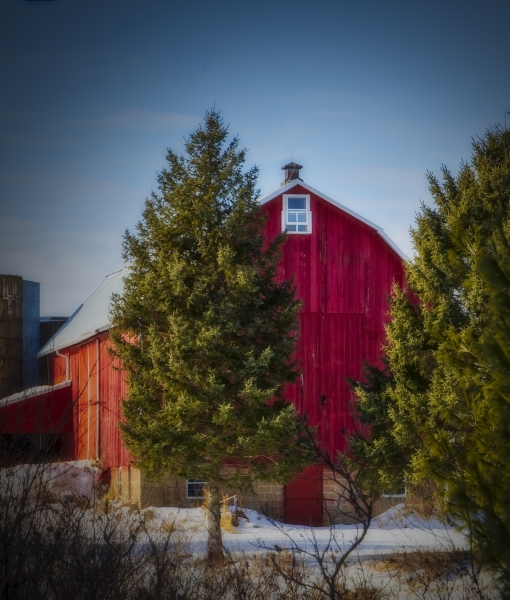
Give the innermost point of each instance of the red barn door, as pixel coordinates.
(303, 498)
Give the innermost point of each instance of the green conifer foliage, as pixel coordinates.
(204, 331)
(485, 493)
(444, 400)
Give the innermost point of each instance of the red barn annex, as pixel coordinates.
(344, 267)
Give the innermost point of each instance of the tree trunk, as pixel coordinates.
(214, 545)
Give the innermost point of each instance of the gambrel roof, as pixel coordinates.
(298, 182)
(93, 316)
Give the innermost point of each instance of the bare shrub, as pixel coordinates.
(56, 548)
(424, 501)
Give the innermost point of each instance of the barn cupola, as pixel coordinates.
(291, 172)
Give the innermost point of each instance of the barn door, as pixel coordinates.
(303, 498)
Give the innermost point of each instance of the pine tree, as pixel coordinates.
(205, 331)
(444, 399)
(484, 494)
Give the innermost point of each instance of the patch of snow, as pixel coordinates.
(398, 529)
(52, 481)
(402, 517)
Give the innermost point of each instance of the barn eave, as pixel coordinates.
(297, 182)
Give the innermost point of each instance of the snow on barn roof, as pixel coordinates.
(92, 317)
(33, 392)
(288, 186)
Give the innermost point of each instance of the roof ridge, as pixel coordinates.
(288, 186)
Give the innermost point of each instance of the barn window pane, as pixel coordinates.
(297, 203)
(195, 489)
(296, 209)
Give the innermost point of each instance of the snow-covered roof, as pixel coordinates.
(40, 390)
(92, 317)
(288, 186)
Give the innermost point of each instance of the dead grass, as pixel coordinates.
(226, 516)
(106, 498)
(93, 552)
(424, 565)
(423, 500)
(149, 515)
(168, 527)
(360, 593)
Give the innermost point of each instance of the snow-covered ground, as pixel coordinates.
(387, 559)
(57, 481)
(394, 531)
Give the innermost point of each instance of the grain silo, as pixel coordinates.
(11, 335)
(31, 333)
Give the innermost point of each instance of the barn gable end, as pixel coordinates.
(344, 270)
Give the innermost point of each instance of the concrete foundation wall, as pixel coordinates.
(130, 486)
(337, 507)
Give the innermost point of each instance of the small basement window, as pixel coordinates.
(296, 215)
(400, 492)
(195, 489)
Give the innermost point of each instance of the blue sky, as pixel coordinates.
(367, 96)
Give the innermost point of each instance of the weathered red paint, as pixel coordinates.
(112, 389)
(344, 272)
(302, 501)
(97, 387)
(46, 413)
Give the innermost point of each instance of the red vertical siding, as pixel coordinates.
(96, 391)
(74, 371)
(48, 412)
(59, 369)
(344, 272)
(83, 402)
(112, 388)
(93, 393)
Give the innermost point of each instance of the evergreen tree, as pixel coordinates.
(483, 495)
(445, 400)
(206, 332)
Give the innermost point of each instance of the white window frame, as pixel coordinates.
(398, 495)
(193, 481)
(307, 212)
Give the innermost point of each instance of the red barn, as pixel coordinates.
(344, 267)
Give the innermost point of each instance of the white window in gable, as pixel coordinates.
(296, 215)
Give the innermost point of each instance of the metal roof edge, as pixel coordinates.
(282, 190)
(392, 244)
(72, 342)
(44, 350)
(50, 345)
(32, 393)
(112, 274)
